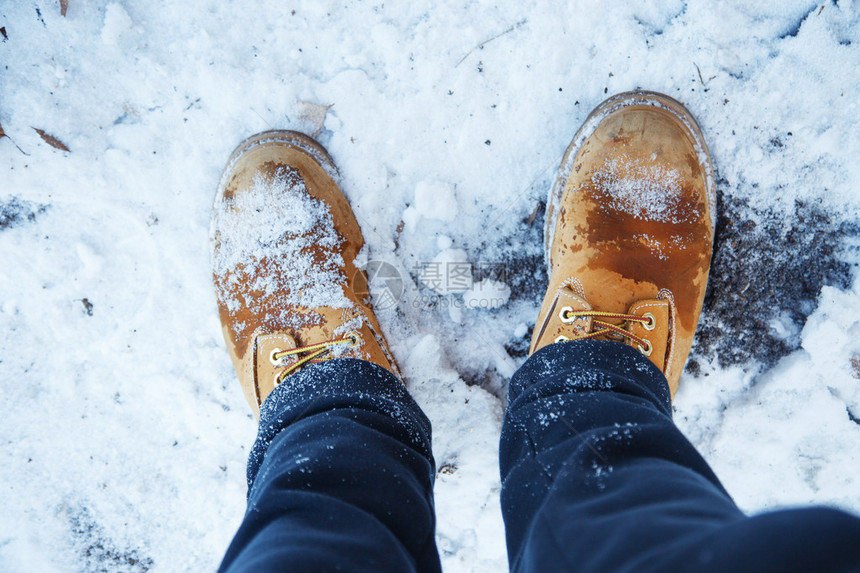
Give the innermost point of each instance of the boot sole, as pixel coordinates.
(614, 103)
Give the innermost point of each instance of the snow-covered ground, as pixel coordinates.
(124, 434)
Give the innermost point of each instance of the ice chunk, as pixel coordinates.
(444, 242)
(117, 24)
(436, 200)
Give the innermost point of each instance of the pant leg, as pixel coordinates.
(597, 477)
(340, 477)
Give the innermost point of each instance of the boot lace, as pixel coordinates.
(599, 326)
(314, 353)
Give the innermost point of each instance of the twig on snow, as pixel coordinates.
(480, 46)
(3, 134)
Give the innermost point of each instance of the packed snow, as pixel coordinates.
(125, 431)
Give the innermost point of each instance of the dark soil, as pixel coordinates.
(15, 211)
(520, 264)
(98, 552)
(773, 267)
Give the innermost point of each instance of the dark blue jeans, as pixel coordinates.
(595, 477)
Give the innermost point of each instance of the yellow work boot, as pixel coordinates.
(630, 230)
(284, 240)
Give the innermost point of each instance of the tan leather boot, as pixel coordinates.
(284, 240)
(629, 231)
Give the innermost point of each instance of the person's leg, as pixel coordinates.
(340, 477)
(597, 477)
(341, 474)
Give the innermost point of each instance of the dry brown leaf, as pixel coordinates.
(51, 140)
(314, 115)
(2, 133)
(64, 5)
(3, 32)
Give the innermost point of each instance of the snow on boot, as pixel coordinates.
(284, 240)
(629, 231)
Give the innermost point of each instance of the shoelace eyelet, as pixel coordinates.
(647, 349)
(566, 315)
(652, 324)
(272, 359)
(562, 338)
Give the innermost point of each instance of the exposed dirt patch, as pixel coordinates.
(15, 211)
(98, 552)
(519, 261)
(767, 273)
